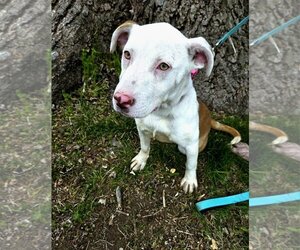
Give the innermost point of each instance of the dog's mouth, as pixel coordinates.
(156, 108)
(123, 111)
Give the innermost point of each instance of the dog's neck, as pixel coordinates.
(184, 89)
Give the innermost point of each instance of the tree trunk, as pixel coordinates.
(25, 39)
(274, 77)
(79, 24)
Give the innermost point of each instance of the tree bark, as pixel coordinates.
(79, 24)
(274, 77)
(25, 39)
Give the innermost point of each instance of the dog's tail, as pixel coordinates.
(281, 136)
(219, 126)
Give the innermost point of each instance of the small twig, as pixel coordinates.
(201, 196)
(127, 246)
(150, 215)
(28, 121)
(87, 246)
(111, 219)
(232, 44)
(122, 232)
(134, 227)
(121, 212)
(105, 241)
(180, 218)
(119, 197)
(164, 198)
(179, 231)
(274, 43)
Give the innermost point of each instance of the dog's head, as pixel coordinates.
(157, 60)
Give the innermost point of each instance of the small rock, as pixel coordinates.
(44, 161)
(54, 55)
(89, 161)
(159, 2)
(111, 220)
(225, 230)
(4, 55)
(112, 154)
(264, 230)
(77, 147)
(172, 170)
(102, 201)
(116, 143)
(106, 7)
(113, 174)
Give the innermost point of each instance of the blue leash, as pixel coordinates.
(232, 31)
(221, 201)
(253, 202)
(274, 31)
(274, 199)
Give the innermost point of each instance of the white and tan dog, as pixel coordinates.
(156, 89)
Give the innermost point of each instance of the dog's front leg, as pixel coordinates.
(139, 161)
(189, 181)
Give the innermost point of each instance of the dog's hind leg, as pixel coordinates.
(202, 142)
(205, 126)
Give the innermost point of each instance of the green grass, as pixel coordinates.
(274, 226)
(25, 171)
(91, 141)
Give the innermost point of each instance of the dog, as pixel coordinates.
(156, 89)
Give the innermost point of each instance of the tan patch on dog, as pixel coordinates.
(206, 123)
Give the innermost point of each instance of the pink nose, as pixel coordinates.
(124, 100)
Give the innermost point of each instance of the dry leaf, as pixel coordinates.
(213, 245)
(172, 170)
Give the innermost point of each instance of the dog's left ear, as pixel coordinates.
(201, 53)
(120, 36)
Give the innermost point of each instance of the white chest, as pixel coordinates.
(156, 127)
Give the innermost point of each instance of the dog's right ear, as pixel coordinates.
(120, 36)
(201, 54)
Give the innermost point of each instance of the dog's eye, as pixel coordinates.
(163, 66)
(127, 55)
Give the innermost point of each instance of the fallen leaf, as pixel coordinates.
(172, 170)
(214, 245)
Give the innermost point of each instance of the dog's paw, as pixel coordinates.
(139, 161)
(189, 184)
